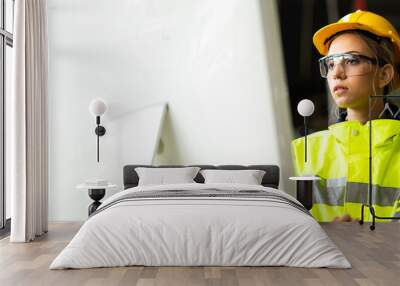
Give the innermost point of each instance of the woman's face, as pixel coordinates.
(351, 91)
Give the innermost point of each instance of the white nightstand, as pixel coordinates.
(304, 192)
(96, 193)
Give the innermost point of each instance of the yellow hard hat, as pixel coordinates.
(359, 20)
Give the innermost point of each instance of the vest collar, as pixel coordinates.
(382, 130)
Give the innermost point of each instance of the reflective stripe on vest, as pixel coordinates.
(336, 192)
(397, 213)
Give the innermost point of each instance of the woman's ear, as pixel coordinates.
(386, 74)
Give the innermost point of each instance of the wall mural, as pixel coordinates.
(357, 158)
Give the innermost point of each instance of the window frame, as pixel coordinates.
(6, 39)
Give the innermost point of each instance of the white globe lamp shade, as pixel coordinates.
(97, 107)
(305, 107)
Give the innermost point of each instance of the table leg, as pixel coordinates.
(96, 195)
(304, 193)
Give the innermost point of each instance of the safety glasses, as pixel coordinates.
(352, 64)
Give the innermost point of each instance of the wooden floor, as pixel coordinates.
(375, 257)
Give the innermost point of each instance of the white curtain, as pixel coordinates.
(27, 117)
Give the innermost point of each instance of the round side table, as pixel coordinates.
(304, 192)
(96, 193)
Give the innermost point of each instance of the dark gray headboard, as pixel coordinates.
(270, 179)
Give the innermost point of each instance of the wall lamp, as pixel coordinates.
(97, 108)
(305, 109)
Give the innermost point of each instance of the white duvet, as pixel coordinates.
(200, 231)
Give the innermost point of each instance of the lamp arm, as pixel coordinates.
(99, 131)
(98, 145)
(305, 138)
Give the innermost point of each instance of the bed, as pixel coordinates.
(201, 224)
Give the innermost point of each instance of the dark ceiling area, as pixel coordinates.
(299, 20)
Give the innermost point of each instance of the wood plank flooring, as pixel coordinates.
(375, 257)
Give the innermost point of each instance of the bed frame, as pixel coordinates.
(270, 179)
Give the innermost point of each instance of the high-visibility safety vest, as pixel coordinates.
(340, 156)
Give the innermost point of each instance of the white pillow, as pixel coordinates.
(248, 177)
(163, 176)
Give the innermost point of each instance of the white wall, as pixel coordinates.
(130, 137)
(216, 63)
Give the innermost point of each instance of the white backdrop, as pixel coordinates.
(217, 64)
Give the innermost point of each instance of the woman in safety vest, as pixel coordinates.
(360, 59)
